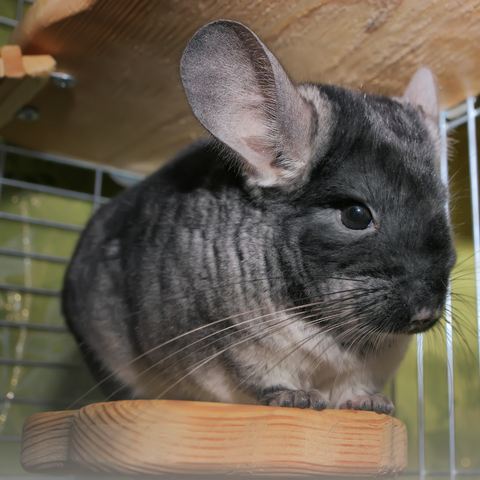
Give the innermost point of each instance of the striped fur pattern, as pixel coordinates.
(229, 274)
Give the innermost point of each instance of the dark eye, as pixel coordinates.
(356, 217)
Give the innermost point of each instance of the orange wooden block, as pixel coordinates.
(12, 61)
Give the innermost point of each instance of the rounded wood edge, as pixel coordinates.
(44, 13)
(45, 437)
(167, 436)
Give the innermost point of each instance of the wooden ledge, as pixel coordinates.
(21, 78)
(129, 110)
(166, 436)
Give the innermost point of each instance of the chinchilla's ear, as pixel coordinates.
(421, 92)
(242, 96)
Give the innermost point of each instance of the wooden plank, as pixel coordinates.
(12, 61)
(129, 110)
(14, 71)
(167, 436)
(24, 78)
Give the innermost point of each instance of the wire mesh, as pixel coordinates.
(95, 199)
(17, 364)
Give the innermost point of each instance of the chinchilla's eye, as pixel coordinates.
(356, 217)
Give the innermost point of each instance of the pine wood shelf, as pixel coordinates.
(129, 109)
(166, 436)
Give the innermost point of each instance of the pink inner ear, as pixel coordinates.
(260, 145)
(421, 92)
(248, 130)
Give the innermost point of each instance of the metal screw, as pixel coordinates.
(63, 80)
(28, 114)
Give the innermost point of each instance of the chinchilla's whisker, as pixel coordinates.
(458, 329)
(335, 341)
(231, 327)
(363, 338)
(463, 277)
(210, 358)
(460, 320)
(200, 365)
(217, 285)
(357, 319)
(466, 259)
(465, 298)
(235, 328)
(265, 330)
(339, 371)
(294, 346)
(299, 299)
(202, 328)
(185, 334)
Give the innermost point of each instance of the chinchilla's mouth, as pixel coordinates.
(421, 326)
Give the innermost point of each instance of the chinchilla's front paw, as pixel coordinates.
(295, 398)
(371, 403)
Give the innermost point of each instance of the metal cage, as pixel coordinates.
(17, 323)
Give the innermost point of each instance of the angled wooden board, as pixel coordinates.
(129, 110)
(166, 436)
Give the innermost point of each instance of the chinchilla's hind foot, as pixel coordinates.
(295, 398)
(371, 403)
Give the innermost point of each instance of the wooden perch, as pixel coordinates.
(166, 436)
(21, 78)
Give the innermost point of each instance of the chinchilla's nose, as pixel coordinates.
(423, 301)
(423, 320)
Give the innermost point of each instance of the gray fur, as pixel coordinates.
(203, 283)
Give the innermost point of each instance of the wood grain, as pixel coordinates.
(129, 110)
(45, 441)
(166, 436)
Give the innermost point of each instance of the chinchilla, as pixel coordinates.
(287, 260)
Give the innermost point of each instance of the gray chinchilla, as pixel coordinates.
(287, 260)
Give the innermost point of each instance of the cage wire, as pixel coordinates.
(45, 201)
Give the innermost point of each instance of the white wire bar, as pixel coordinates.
(38, 363)
(22, 288)
(448, 314)
(8, 21)
(97, 198)
(421, 408)
(473, 158)
(61, 192)
(3, 155)
(69, 161)
(33, 326)
(40, 221)
(32, 255)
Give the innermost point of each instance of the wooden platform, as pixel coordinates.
(21, 78)
(166, 436)
(129, 110)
